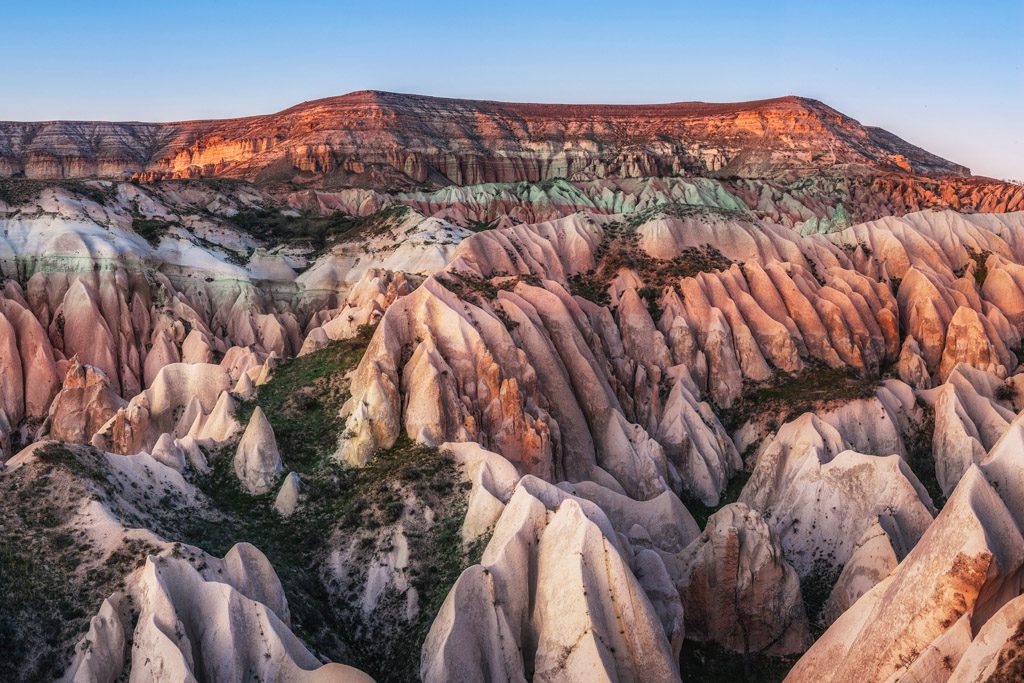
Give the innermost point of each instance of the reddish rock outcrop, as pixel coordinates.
(377, 139)
(84, 404)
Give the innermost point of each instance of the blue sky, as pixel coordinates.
(948, 76)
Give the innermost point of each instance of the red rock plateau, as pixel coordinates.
(387, 140)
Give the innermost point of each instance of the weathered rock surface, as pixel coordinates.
(995, 652)
(822, 498)
(85, 402)
(239, 596)
(589, 353)
(822, 203)
(184, 400)
(925, 615)
(287, 499)
(873, 558)
(553, 599)
(969, 419)
(738, 591)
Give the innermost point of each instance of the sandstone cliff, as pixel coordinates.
(380, 139)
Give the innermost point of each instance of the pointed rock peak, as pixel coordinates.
(288, 495)
(245, 388)
(257, 460)
(249, 571)
(734, 570)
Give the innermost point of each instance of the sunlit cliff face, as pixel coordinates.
(382, 139)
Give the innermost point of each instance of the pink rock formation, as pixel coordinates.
(924, 617)
(85, 402)
(737, 589)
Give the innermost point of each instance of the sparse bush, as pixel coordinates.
(587, 286)
(151, 229)
(16, 192)
(788, 395)
(980, 259)
(53, 579)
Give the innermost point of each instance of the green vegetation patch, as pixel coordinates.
(920, 456)
(352, 508)
(682, 210)
(815, 588)
(152, 229)
(481, 226)
(620, 250)
(788, 395)
(468, 286)
(384, 643)
(303, 400)
(980, 259)
(53, 578)
(21, 191)
(316, 232)
(589, 287)
(355, 511)
(702, 513)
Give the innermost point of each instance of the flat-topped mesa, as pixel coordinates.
(379, 139)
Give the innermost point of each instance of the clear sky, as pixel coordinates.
(948, 76)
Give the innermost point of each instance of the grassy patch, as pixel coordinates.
(620, 250)
(20, 191)
(701, 512)
(681, 210)
(352, 508)
(788, 395)
(384, 643)
(316, 232)
(920, 456)
(815, 588)
(53, 578)
(480, 226)
(589, 287)
(303, 400)
(980, 268)
(152, 229)
(468, 285)
(355, 511)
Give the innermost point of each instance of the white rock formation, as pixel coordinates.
(922, 619)
(968, 422)
(553, 599)
(995, 652)
(821, 499)
(184, 399)
(257, 461)
(225, 620)
(873, 558)
(287, 499)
